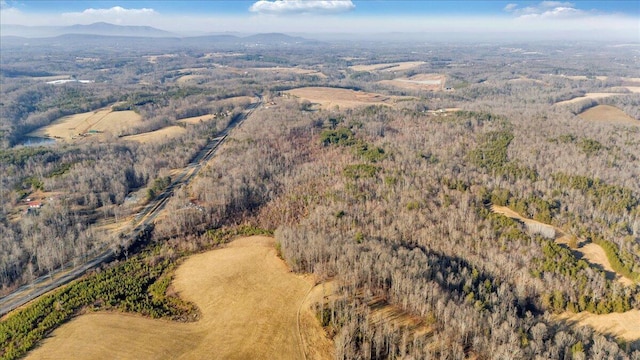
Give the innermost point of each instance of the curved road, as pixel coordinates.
(144, 219)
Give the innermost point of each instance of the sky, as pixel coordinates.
(599, 20)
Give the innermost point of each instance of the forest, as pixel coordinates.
(392, 202)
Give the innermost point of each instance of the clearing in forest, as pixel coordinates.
(90, 123)
(250, 303)
(432, 82)
(624, 325)
(329, 97)
(163, 134)
(398, 66)
(290, 70)
(593, 96)
(592, 253)
(197, 119)
(609, 115)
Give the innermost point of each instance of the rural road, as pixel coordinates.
(143, 220)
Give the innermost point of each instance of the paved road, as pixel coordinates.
(144, 220)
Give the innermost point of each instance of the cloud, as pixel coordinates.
(510, 7)
(116, 10)
(302, 6)
(546, 9)
(116, 14)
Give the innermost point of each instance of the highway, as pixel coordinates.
(143, 220)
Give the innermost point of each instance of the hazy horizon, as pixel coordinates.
(482, 20)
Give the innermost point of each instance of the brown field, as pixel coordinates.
(288, 70)
(608, 114)
(525, 80)
(49, 78)
(158, 135)
(399, 66)
(433, 82)
(190, 79)
(623, 325)
(329, 97)
(197, 119)
(591, 252)
(633, 89)
(154, 58)
(103, 121)
(594, 96)
(249, 302)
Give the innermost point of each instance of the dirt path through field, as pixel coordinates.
(249, 302)
(592, 253)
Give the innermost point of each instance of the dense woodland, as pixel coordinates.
(390, 203)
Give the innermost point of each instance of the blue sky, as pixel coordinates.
(369, 7)
(619, 19)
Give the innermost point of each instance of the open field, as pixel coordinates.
(329, 97)
(526, 80)
(101, 121)
(593, 96)
(633, 89)
(290, 70)
(197, 119)
(624, 325)
(599, 77)
(399, 66)
(249, 304)
(190, 79)
(609, 115)
(432, 82)
(163, 134)
(592, 253)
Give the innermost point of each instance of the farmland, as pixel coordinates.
(342, 98)
(161, 135)
(608, 114)
(400, 66)
(90, 123)
(432, 82)
(252, 318)
(380, 172)
(588, 96)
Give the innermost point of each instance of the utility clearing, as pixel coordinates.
(88, 124)
(328, 97)
(251, 308)
(609, 115)
(592, 253)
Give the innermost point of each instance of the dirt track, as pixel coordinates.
(591, 252)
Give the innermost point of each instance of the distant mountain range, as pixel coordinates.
(99, 28)
(104, 33)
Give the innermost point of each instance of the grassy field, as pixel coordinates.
(609, 115)
(432, 82)
(623, 325)
(329, 97)
(197, 119)
(76, 126)
(290, 70)
(400, 66)
(249, 303)
(157, 135)
(593, 96)
(591, 252)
